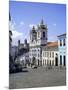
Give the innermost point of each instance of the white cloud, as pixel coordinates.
(31, 25)
(14, 23)
(54, 24)
(16, 34)
(11, 26)
(21, 23)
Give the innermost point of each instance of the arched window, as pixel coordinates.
(64, 42)
(43, 34)
(60, 42)
(52, 54)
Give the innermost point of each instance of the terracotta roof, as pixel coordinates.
(52, 44)
(61, 35)
(49, 44)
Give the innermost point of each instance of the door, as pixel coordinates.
(50, 62)
(60, 60)
(64, 61)
(56, 61)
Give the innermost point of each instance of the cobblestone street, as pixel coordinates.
(39, 77)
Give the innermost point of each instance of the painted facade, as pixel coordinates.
(46, 53)
(62, 49)
(50, 54)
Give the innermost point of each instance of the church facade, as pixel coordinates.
(42, 52)
(38, 39)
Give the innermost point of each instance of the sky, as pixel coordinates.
(26, 14)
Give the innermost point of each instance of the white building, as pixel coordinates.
(23, 59)
(44, 53)
(50, 54)
(38, 39)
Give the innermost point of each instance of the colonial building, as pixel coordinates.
(14, 52)
(38, 39)
(54, 53)
(22, 47)
(23, 53)
(24, 59)
(50, 54)
(62, 49)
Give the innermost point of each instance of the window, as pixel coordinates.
(60, 42)
(35, 54)
(38, 34)
(47, 54)
(45, 62)
(38, 55)
(52, 54)
(43, 34)
(64, 42)
(52, 62)
(64, 58)
(35, 50)
(60, 60)
(56, 55)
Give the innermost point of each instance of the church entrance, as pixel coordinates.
(56, 61)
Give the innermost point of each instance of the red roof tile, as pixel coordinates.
(52, 44)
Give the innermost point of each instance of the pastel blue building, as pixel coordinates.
(62, 50)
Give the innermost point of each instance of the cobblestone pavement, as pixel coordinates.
(40, 77)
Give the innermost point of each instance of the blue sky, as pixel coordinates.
(26, 14)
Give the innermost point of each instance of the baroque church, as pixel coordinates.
(38, 39)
